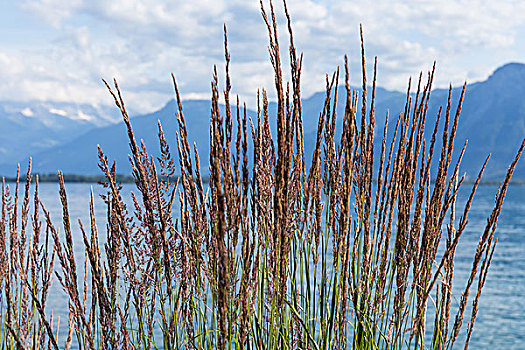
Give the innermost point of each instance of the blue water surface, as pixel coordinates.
(501, 317)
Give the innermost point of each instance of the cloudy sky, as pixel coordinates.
(59, 49)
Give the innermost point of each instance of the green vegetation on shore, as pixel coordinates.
(76, 178)
(129, 179)
(43, 178)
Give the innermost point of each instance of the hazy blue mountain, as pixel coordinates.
(80, 155)
(31, 127)
(492, 119)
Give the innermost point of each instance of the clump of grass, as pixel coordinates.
(274, 253)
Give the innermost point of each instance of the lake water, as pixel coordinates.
(501, 317)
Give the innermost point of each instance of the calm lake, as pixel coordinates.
(501, 317)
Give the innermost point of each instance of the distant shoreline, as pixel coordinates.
(127, 179)
(75, 178)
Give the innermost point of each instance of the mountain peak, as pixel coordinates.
(511, 70)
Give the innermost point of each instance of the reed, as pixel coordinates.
(274, 253)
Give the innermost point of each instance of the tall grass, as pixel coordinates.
(345, 252)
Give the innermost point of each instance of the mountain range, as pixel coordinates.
(65, 136)
(32, 127)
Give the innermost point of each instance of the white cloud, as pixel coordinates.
(53, 11)
(10, 65)
(141, 41)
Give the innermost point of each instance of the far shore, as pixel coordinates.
(128, 179)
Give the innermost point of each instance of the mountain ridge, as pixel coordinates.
(492, 119)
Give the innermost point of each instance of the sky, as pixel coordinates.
(58, 50)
